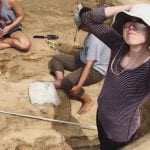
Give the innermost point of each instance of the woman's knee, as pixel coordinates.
(25, 46)
(52, 61)
(51, 64)
(57, 57)
(55, 64)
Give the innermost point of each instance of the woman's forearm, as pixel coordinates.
(112, 10)
(16, 22)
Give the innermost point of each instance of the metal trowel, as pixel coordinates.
(49, 37)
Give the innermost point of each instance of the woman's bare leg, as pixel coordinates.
(19, 41)
(4, 45)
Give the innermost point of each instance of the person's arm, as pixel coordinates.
(113, 10)
(84, 75)
(94, 20)
(148, 94)
(99, 15)
(19, 12)
(149, 85)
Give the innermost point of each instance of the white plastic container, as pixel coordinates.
(42, 92)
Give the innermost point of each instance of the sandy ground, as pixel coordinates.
(18, 70)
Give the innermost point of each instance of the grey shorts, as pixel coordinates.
(73, 64)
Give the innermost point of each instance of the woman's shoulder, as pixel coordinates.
(11, 2)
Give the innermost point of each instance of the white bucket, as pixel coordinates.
(41, 92)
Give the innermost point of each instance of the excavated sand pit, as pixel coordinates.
(18, 70)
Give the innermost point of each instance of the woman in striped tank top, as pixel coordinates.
(127, 83)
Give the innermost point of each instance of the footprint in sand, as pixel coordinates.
(24, 147)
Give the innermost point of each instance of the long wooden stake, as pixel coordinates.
(85, 126)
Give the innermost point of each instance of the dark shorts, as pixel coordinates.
(18, 28)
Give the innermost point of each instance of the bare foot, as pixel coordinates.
(86, 106)
(57, 83)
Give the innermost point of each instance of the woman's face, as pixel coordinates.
(135, 32)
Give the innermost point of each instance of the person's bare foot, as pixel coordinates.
(57, 83)
(86, 106)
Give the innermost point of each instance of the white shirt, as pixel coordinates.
(94, 49)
